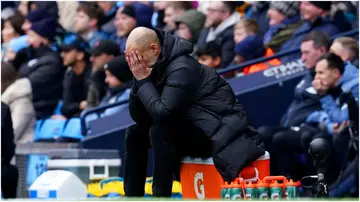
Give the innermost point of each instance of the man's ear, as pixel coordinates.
(155, 49)
(93, 22)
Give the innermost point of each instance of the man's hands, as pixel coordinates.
(320, 87)
(137, 65)
(338, 128)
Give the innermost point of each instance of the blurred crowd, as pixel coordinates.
(72, 51)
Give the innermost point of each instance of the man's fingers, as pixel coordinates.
(134, 58)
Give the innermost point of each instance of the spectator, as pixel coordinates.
(102, 53)
(210, 55)
(316, 18)
(131, 16)
(49, 6)
(14, 46)
(173, 11)
(220, 21)
(347, 48)
(305, 100)
(157, 20)
(12, 27)
(118, 78)
(9, 173)
(17, 94)
(109, 9)
(251, 48)
(189, 25)
(34, 16)
(284, 19)
(245, 28)
(87, 22)
(74, 53)
(258, 12)
(44, 68)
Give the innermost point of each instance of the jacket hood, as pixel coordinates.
(195, 20)
(19, 89)
(350, 76)
(172, 47)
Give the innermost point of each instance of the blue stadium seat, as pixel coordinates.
(57, 110)
(38, 126)
(73, 129)
(50, 129)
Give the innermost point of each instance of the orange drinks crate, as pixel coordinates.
(201, 180)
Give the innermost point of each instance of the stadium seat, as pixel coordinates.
(73, 129)
(38, 126)
(57, 110)
(50, 130)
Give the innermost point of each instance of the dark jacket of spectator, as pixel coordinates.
(97, 88)
(306, 101)
(258, 12)
(191, 91)
(45, 72)
(225, 37)
(75, 91)
(7, 136)
(320, 24)
(9, 173)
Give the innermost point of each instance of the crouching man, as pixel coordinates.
(181, 108)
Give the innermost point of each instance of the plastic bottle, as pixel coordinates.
(292, 189)
(250, 191)
(236, 191)
(276, 190)
(262, 190)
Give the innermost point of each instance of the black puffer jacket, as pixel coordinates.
(187, 90)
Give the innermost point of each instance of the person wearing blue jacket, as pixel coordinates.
(333, 78)
(316, 18)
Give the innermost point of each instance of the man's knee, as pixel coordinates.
(265, 132)
(278, 138)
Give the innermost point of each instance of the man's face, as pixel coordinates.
(209, 61)
(69, 57)
(124, 24)
(215, 15)
(309, 11)
(275, 17)
(239, 35)
(105, 5)
(170, 15)
(111, 80)
(26, 26)
(326, 75)
(184, 31)
(82, 22)
(34, 39)
(340, 51)
(100, 60)
(309, 54)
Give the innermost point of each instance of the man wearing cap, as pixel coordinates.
(74, 52)
(103, 52)
(315, 15)
(129, 17)
(284, 19)
(43, 68)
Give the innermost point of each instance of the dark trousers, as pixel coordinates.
(169, 143)
(284, 144)
(9, 181)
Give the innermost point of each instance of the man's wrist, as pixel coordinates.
(141, 82)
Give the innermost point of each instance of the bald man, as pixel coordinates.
(181, 108)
